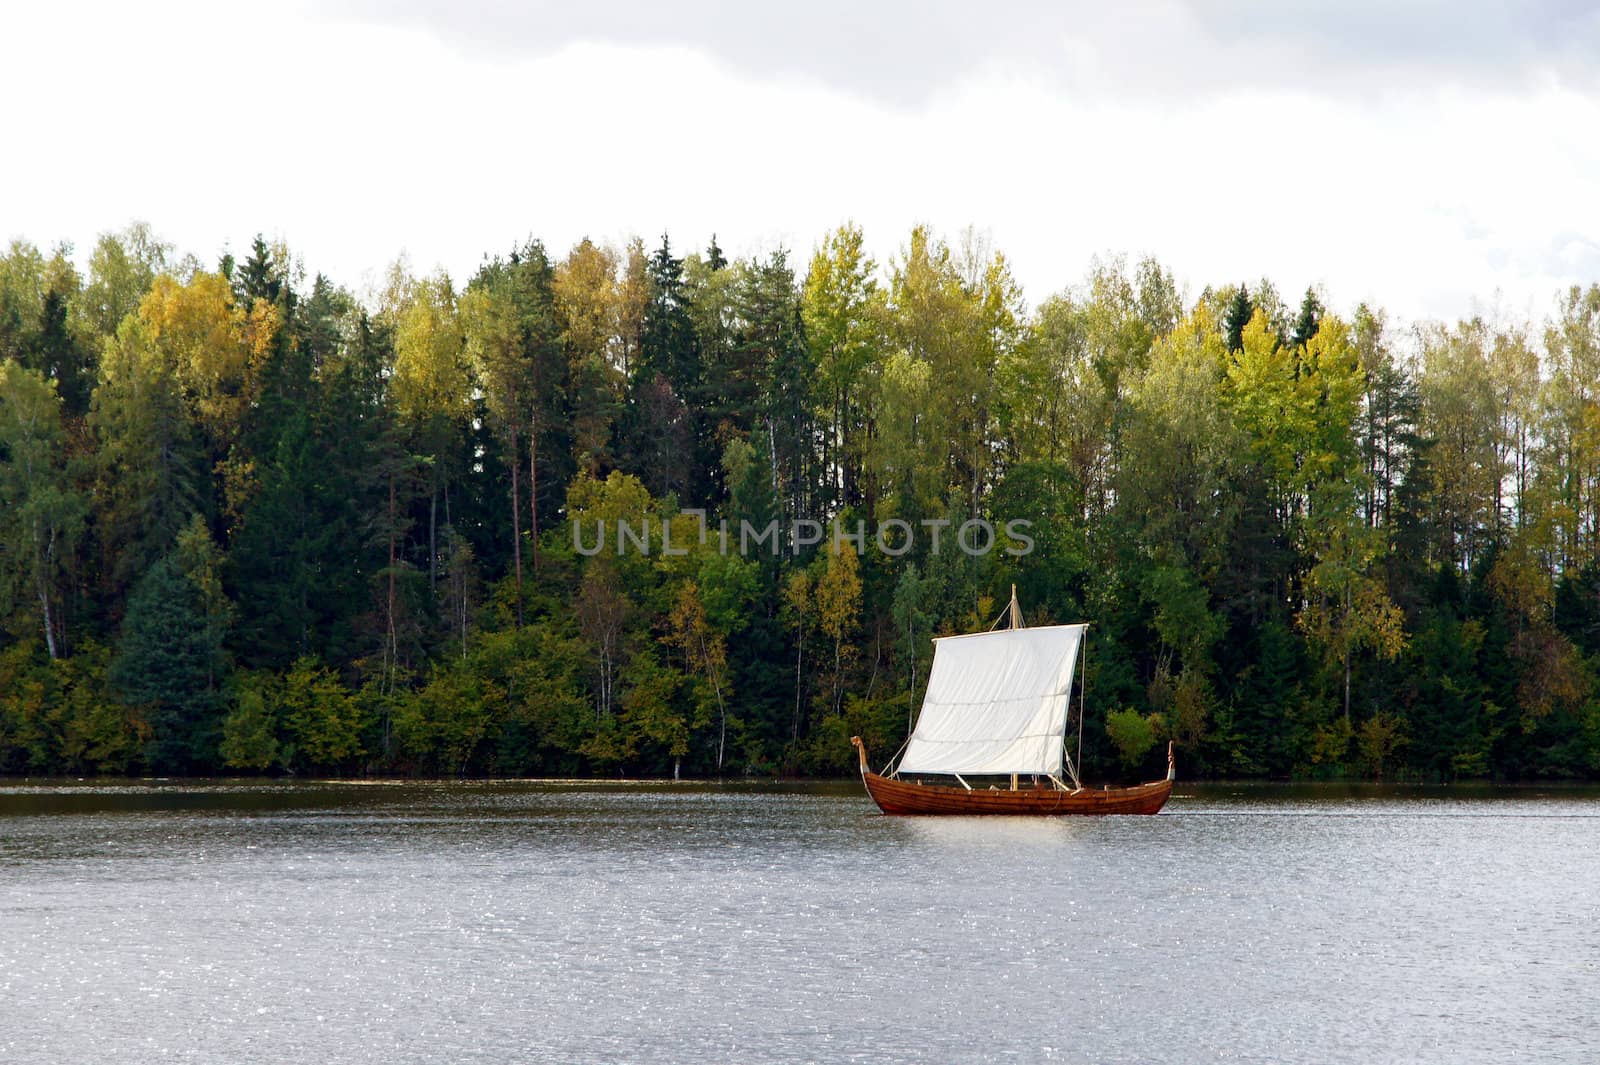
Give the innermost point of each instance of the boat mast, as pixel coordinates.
(1083, 689)
(1083, 683)
(1015, 610)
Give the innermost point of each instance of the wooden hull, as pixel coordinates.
(904, 797)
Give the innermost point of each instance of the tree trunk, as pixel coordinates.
(461, 604)
(1345, 637)
(838, 680)
(722, 712)
(799, 657)
(605, 676)
(516, 518)
(911, 692)
(877, 660)
(433, 535)
(533, 488)
(43, 554)
(391, 648)
(49, 622)
(1347, 685)
(772, 456)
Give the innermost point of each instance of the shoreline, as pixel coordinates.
(47, 780)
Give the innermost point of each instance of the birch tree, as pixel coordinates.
(41, 513)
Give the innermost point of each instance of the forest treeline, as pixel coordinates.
(253, 523)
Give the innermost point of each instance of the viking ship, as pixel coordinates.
(997, 705)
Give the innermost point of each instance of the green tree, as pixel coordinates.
(41, 513)
(706, 650)
(1570, 470)
(169, 659)
(651, 712)
(122, 268)
(913, 633)
(321, 721)
(843, 316)
(249, 733)
(432, 388)
(151, 472)
(838, 598)
(1133, 734)
(588, 305)
(513, 336)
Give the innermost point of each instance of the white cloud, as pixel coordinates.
(354, 140)
(905, 51)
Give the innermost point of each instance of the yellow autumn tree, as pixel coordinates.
(838, 605)
(212, 345)
(432, 384)
(706, 652)
(430, 370)
(588, 303)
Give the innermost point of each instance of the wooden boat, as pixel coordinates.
(997, 705)
(895, 796)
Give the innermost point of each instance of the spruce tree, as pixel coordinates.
(56, 353)
(671, 351)
(1236, 316)
(1308, 320)
(169, 660)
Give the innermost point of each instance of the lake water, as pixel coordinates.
(749, 923)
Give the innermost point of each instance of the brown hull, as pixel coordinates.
(902, 797)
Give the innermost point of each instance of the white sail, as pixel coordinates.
(996, 703)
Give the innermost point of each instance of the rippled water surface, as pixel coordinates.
(644, 923)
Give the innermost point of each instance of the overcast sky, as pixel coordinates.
(1424, 156)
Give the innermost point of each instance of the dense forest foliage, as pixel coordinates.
(251, 522)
